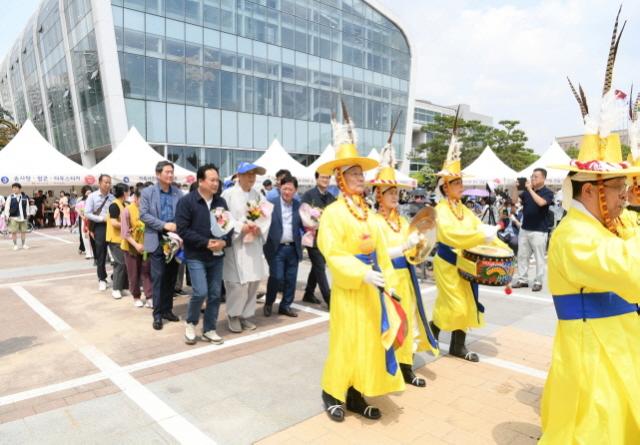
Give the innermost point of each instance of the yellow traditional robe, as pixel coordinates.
(455, 307)
(630, 226)
(356, 355)
(592, 393)
(407, 294)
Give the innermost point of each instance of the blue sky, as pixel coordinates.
(508, 59)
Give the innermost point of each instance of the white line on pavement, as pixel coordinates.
(43, 280)
(174, 424)
(50, 389)
(52, 237)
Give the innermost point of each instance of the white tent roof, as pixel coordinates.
(30, 160)
(488, 168)
(554, 155)
(276, 158)
(327, 155)
(134, 161)
(400, 177)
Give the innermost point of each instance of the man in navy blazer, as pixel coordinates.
(157, 211)
(283, 249)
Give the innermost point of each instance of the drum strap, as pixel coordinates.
(401, 263)
(446, 253)
(591, 305)
(390, 356)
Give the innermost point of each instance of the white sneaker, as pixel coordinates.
(213, 337)
(102, 285)
(149, 303)
(25, 247)
(247, 325)
(116, 294)
(125, 293)
(15, 247)
(138, 302)
(190, 334)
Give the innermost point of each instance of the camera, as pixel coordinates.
(522, 183)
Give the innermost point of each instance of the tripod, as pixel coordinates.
(491, 216)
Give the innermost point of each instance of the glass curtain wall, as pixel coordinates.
(32, 83)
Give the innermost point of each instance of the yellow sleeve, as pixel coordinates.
(459, 234)
(346, 270)
(605, 264)
(384, 261)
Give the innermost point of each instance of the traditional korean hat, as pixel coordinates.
(344, 143)
(451, 169)
(386, 174)
(634, 139)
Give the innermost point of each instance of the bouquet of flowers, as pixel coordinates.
(220, 222)
(310, 217)
(257, 211)
(172, 247)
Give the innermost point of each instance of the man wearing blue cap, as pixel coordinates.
(244, 263)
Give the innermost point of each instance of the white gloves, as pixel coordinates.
(490, 232)
(374, 278)
(412, 240)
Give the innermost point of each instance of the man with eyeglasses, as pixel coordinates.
(532, 240)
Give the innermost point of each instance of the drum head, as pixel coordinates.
(491, 251)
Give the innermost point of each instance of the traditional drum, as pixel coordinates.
(488, 265)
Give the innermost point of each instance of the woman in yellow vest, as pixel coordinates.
(592, 392)
(138, 267)
(457, 307)
(363, 322)
(121, 193)
(395, 230)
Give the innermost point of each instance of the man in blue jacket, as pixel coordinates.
(157, 210)
(283, 249)
(204, 251)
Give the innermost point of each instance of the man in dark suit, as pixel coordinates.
(283, 249)
(157, 211)
(319, 197)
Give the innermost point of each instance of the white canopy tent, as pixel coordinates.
(400, 177)
(554, 155)
(276, 158)
(134, 161)
(489, 168)
(327, 155)
(32, 161)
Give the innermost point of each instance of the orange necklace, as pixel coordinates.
(457, 211)
(362, 212)
(396, 225)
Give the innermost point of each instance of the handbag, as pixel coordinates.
(96, 213)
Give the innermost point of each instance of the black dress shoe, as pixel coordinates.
(180, 292)
(266, 309)
(519, 284)
(288, 312)
(537, 287)
(170, 316)
(157, 324)
(311, 299)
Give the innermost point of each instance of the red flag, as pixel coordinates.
(620, 94)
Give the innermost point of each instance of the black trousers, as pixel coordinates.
(317, 275)
(163, 278)
(100, 253)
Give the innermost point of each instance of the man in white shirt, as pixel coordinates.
(16, 209)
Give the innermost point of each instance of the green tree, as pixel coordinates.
(508, 143)
(8, 128)
(425, 177)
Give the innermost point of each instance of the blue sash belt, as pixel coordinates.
(401, 263)
(390, 356)
(591, 305)
(446, 253)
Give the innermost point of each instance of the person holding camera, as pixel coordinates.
(532, 239)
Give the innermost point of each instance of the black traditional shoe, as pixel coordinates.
(519, 284)
(311, 299)
(157, 324)
(266, 309)
(410, 378)
(333, 407)
(457, 347)
(434, 329)
(288, 312)
(170, 316)
(357, 404)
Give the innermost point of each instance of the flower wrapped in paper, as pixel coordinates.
(259, 213)
(221, 223)
(172, 247)
(310, 217)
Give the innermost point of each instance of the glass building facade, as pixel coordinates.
(211, 80)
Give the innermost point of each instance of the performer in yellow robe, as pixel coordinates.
(592, 392)
(395, 230)
(363, 324)
(457, 307)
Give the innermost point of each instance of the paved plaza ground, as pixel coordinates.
(77, 367)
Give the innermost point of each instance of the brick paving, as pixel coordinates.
(264, 389)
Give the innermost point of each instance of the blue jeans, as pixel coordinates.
(206, 282)
(283, 272)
